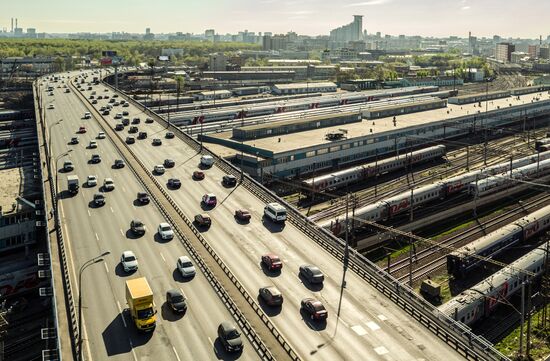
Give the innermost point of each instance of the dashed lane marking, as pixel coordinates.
(121, 314)
(381, 350)
(358, 329)
(373, 325)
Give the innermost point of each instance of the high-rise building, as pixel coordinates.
(533, 51)
(275, 42)
(350, 32)
(472, 44)
(31, 33)
(503, 52)
(544, 52)
(148, 34)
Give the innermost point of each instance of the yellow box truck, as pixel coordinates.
(139, 297)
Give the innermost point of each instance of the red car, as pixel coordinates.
(243, 215)
(314, 308)
(199, 175)
(209, 199)
(272, 262)
(82, 130)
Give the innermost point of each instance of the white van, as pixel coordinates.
(207, 160)
(275, 212)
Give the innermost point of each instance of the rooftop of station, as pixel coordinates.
(300, 140)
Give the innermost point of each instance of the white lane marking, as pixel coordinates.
(373, 325)
(382, 317)
(381, 350)
(121, 314)
(358, 329)
(112, 209)
(162, 256)
(209, 339)
(96, 237)
(123, 189)
(89, 214)
(106, 268)
(121, 231)
(176, 353)
(133, 352)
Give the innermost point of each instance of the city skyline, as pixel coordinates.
(436, 18)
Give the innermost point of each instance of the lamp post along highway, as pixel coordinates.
(89, 262)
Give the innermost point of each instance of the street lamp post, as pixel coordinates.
(50, 140)
(89, 262)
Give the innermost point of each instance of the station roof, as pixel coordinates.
(301, 140)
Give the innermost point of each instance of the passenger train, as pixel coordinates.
(355, 174)
(196, 117)
(390, 207)
(463, 260)
(479, 301)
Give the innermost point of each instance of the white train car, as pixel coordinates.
(480, 300)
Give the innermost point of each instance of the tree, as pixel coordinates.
(180, 81)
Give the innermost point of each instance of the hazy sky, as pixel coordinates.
(516, 18)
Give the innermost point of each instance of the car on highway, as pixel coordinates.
(176, 301)
(159, 169)
(68, 166)
(99, 199)
(91, 181)
(272, 262)
(116, 104)
(157, 141)
(142, 135)
(148, 120)
(243, 215)
(137, 227)
(130, 140)
(106, 112)
(203, 220)
(74, 140)
(112, 100)
(125, 105)
(136, 120)
(96, 158)
(229, 180)
(101, 135)
(129, 261)
(94, 101)
(230, 337)
(198, 175)
(165, 231)
(118, 115)
(314, 309)
(125, 113)
(102, 108)
(133, 129)
(169, 135)
(312, 274)
(87, 115)
(108, 184)
(93, 144)
(50, 94)
(119, 126)
(143, 198)
(185, 266)
(51, 106)
(174, 183)
(271, 296)
(82, 130)
(125, 121)
(209, 199)
(169, 163)
(100, 97)
(119, 163)
(207, 161)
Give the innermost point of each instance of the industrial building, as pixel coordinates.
(297, 154)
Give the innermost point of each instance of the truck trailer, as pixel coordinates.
(73, 184)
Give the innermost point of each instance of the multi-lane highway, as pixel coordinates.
(90, 231)
(362, 324)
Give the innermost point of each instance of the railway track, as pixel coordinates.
(424, 264)
(403, 183)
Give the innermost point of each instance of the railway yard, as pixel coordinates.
(414, 208)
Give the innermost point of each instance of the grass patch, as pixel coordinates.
(540, 340)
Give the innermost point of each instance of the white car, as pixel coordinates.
(108, 184)
(93, 144)
(165, 231)
(159, 169)
(185, 267)
(101, 135)
(129, 261)
(91, 181)
(51, 106)
(87, 115)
